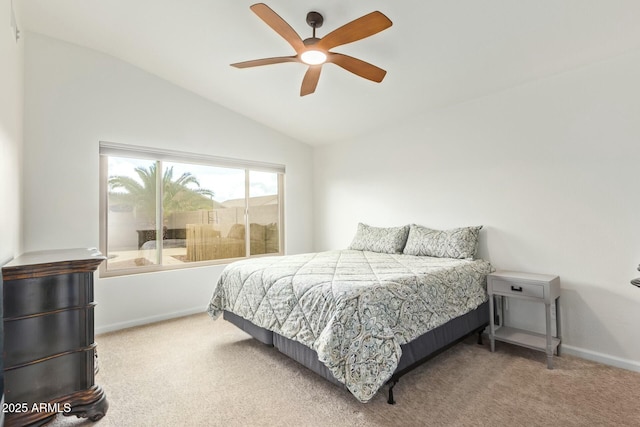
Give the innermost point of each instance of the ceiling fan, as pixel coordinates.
(314, 51)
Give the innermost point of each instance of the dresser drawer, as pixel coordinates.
(25, 297)
(50, 379)
(40, 336)
(517, 289)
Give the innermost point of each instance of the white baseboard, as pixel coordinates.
(606, 359)
(146, 320)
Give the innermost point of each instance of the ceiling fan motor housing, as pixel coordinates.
(310, 41)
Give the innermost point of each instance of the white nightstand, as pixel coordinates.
(534, 287)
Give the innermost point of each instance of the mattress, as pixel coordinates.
(354, 309)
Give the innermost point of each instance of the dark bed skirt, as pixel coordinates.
(413, 352)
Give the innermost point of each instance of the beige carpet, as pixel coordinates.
(196, 372)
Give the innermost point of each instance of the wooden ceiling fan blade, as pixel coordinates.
(310, 80)
(357, 67)
(355, 30)
(278, 25)
(265, 61)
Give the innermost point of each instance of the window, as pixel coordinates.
(164, 209)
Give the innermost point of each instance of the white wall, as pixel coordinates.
(11, 102)
(11, 133)
(74, 98)
(550, 168)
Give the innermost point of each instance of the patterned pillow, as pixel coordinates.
(461, 243)
(389, 240)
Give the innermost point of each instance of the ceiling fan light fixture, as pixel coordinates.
(313, 57)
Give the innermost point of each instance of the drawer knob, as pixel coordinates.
(516, 288)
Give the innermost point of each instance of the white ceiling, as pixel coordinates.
(437, 53)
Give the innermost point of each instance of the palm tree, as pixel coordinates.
(179, 195)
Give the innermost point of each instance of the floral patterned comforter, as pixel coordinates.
(354, 308)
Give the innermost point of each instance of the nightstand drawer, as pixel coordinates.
(519, 289)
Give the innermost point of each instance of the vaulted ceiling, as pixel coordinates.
(437, 53)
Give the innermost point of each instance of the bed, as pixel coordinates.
(363, 316)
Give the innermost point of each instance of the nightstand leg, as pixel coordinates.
(549, 343)
(492, 326)
(558, 326)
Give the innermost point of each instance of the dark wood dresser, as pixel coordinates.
(49, 350)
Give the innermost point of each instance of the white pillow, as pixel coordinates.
(390, 240)
(459, 243)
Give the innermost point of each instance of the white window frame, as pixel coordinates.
(107, 149)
